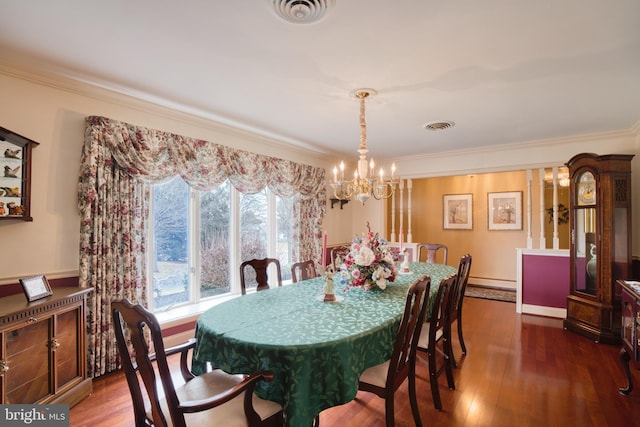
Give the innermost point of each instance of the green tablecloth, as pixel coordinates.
(317, 350)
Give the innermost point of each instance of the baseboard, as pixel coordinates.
(539, 310)
(493, 283)
(497, 288)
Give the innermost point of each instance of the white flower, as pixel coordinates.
(364, 257)
(380, 276)
(381, 273)
(388, 257)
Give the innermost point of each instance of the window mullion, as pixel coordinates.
(194, 246)
(272, 225)
(234, 245)
(272, 233)
(151, 241)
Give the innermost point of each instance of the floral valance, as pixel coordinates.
(152, 155)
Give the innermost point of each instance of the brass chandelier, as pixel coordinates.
(364, 183)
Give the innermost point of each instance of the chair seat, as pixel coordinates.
(229, 414)
(423, 341)
(376, 375)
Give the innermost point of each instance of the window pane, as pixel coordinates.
(170, 261)
(285, 235)
(215, 239)
(253, 230)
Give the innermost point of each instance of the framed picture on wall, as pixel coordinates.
(505, 210)
(458, 211)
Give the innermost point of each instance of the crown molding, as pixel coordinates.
(530, 145)
(145, 103)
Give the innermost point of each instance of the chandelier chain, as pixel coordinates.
(363, 124)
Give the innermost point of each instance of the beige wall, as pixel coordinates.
(52, 113)
(493, 252)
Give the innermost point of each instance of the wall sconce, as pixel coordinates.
(341, 201)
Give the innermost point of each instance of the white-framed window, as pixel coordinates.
(198, 239)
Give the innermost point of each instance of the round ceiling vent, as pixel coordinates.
(302, 11)
(439, 125)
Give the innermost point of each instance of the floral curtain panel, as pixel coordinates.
(119, 160)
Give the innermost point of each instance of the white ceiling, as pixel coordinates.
(505, 71)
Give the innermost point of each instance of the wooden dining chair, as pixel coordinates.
(432, 252)
(260, 268)
(384, 379)
(303, 270)
(433, 341)
(464, 268)
(338, 255)
(213, 398)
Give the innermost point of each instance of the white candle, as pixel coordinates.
(324, 250)
(401, 239)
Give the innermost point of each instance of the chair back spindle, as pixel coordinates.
(260, 267)
(338, 255)
(432, 252)
(303, 270)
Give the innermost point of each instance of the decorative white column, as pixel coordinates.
(543, 242)
(529, 208)
(409, 188)
(401, 206)
(556, 240)
(392, 238)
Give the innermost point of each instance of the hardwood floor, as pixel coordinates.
(520, 370)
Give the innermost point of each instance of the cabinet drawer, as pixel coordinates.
(27, 356)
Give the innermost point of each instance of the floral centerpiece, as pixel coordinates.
(369, 263)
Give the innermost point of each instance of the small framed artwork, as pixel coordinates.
(458, 211)
(35, 287)
(505, 210)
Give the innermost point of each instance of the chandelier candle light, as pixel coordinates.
(364, 183)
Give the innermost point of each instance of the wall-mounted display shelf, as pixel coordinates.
(15, 175)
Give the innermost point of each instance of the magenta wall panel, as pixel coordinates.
(545, 280)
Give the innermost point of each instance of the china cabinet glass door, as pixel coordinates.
(585, 235)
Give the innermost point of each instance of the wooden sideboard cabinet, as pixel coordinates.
(43, 350)
(630, 329)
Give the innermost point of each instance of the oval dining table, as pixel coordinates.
(317, 350)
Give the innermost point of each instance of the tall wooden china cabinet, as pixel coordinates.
(600, 249)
